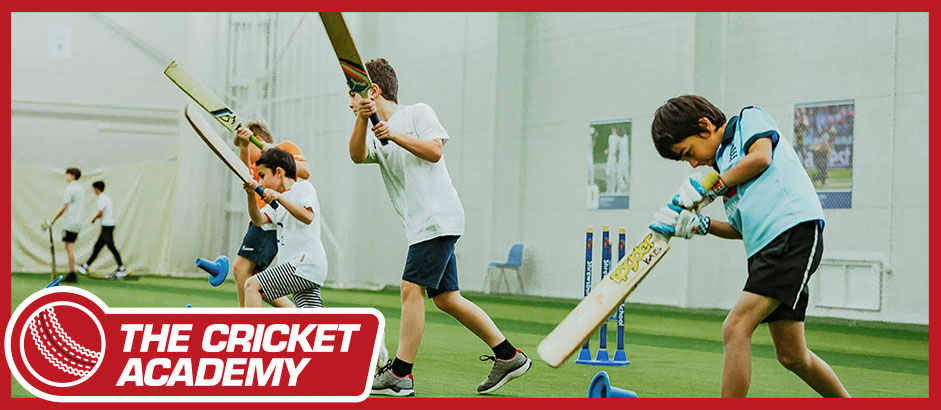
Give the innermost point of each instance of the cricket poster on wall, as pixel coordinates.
(609, 159)
(823, 139)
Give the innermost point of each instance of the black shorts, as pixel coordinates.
(432, 264)
(782, 269)
(259, 246)
(69, 236)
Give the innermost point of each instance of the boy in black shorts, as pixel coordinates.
(772, 207)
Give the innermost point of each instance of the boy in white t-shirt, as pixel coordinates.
(302, 266)
(73, 202)
(106, 237)
(420, 188)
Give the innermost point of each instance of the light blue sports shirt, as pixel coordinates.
(777, 199)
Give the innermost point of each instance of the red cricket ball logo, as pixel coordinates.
(62, 344)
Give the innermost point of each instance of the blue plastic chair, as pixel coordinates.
(514, 260)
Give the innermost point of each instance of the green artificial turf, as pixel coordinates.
(673, 352)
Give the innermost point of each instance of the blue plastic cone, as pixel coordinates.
(54, 282)
(600, 388)
(217, 270)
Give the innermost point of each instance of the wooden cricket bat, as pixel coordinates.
(46, 226)
(205, 98)
(357, 78)
(595, 308)
(219, 147)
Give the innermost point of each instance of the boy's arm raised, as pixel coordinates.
(724, 230)
(430, 151)
(756, 161)
(302, 169)
(303, 214)
(257, 218)
(358, 149)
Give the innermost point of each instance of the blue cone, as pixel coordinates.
(600, 388)
(217, 270)
(54, 282)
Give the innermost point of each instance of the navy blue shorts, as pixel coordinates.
(432, 264)
(69, 236)
(782, 269)
(259, 246)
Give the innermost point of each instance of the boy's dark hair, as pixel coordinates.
(381, 73)
(77, 173)
(275, 158)
(678, 119)
(260, 128)
(99, 185)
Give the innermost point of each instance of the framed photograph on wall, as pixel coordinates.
(823, 139)
(609, 164)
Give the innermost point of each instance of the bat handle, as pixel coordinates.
(260, 191)
(255, 141)
(375, 121)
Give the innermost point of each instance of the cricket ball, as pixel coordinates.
(62, 344)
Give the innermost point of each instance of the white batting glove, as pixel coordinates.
(672, 220)
(690, 193)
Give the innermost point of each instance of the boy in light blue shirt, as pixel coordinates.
(772, 207)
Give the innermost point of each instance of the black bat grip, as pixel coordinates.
(260, 191)
(375, 121)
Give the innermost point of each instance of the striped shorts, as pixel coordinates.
(280, 280)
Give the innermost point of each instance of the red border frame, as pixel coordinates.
(491, 5)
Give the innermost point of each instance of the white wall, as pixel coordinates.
(515, 91)
(770, 60)
(107, 104)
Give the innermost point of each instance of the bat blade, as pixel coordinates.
(595, 308)
(357, 78)
(216, 144)
(205, 98)
(603, 299)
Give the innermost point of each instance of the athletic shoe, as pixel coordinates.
(387, 383)
(83, 269)
(120, 273)
(71, 278)
(503, 371)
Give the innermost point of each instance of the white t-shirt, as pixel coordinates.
(299, 243)
(107, 209)
(421, 191)
(74, 197)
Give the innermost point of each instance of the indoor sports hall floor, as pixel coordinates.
(674, 352)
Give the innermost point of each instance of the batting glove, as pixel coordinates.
(672, 220)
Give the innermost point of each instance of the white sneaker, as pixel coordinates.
(120, 273)
(83, 269)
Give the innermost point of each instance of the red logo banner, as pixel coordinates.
(64, 344)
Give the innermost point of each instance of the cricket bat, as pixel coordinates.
(595, 308)
(46, 226)
(206, 99)
(219, 147)
(357, 78)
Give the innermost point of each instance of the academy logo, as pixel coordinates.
(64, 344)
